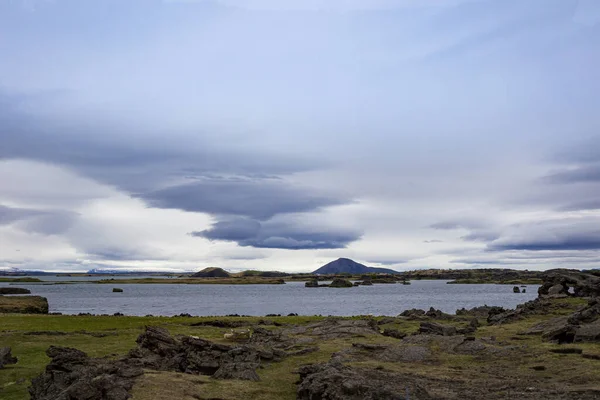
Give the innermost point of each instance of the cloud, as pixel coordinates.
(281, 234)
(37, 221)
(433, 241)
(257, 198)
(581, 206)
(480, 236)
(464, 223)
(581, 233)
(9, 215)
(588, 173)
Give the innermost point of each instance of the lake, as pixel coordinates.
(259, 300)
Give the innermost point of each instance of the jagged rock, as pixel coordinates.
(516, 289)
(433, 328)
(6, 357)
(481, 312)
(160, 351)
(340, 283)
(581, 326)
(436, 314)
(414, 313)
(537, 306)
(71, 374)
(334, 381)
(557, 282)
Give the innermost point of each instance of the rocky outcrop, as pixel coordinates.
(24, 304)
(335, 381)
(6, 357)
(498, 316)
(479, 312)
(559, 282)
(158, 350)
(14, 290)
(516, 289)
(71, 374)
(581, 326)
(414, 313)
(117, 290)
(340, 283)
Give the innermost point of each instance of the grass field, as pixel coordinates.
(278, 380)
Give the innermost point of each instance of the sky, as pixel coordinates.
(279, 135)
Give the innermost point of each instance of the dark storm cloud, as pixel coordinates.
(281, 235)
(37, 221)
(259, 199)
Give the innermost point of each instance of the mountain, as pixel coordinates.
(345, 265)
(212, 273)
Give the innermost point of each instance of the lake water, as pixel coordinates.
(293, 297)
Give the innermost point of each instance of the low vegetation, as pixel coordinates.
(526, 357)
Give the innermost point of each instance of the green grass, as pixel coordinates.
(20, 280)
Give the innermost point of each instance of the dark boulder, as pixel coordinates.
(516, 289)
(6, 357)
(117, 290)
(71, 374)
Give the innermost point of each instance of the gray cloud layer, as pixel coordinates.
(282, 234)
